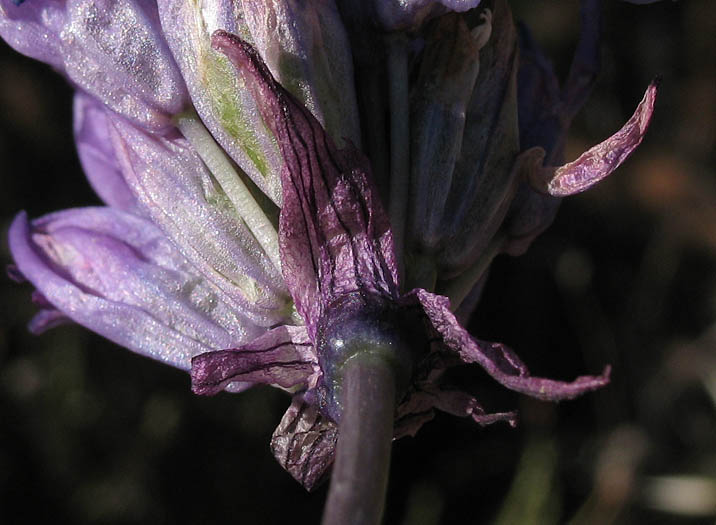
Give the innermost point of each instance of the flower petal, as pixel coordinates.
(601, 160)
(96, 153)
(304, 443)
(47, 319)
(108, 270)
(498, 360)
(112, 49)
(221, 97)
(177, 191)
(283, 356)
(33, 29)
(305, 46)
(335, 238)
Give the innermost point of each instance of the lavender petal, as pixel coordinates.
(33, 29)
(97, 155)
(112, 49)
(108, 270)
(177, 191)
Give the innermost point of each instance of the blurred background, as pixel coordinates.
(91, 433)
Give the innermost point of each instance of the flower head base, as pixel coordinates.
(196, 123)
(347, 289)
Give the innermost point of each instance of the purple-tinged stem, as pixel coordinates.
(360, 473)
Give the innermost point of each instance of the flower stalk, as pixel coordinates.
(360, 473)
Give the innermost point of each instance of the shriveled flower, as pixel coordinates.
(196, 123)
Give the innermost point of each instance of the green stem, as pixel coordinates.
(360, 474)
(230, 181)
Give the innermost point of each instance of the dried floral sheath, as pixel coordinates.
(330, 209)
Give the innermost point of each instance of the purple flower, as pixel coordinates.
(114, 50)
(194, 142)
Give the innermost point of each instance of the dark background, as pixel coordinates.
(91, 433)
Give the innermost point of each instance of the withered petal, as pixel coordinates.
(283, 356)
(601, 160)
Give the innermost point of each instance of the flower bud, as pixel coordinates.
(466, 142)
(438, 109)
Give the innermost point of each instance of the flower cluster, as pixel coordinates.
(244, 235)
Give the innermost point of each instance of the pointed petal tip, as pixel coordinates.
(595, 164)
(221, 39)
(47, 319)
(235, 48)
